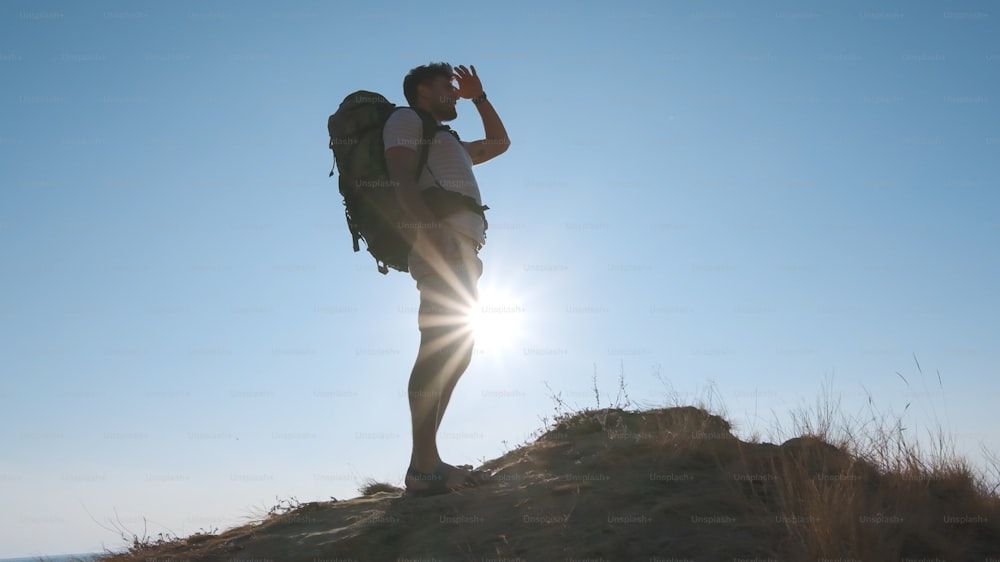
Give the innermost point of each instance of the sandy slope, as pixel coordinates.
(668, 485)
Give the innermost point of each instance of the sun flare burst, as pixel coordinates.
(497, 320)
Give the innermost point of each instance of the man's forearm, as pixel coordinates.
(492, 125)
(413, 203)
(420, 215)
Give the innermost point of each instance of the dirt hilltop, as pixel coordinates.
(663, 485)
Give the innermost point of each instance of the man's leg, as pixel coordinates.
(435, 373)
(446, 343)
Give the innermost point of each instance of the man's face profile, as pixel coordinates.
(443, 96)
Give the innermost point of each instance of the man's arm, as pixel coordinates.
(401, 136)
(402, 163)
(496, 141)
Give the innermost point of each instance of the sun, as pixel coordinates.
(496, 321)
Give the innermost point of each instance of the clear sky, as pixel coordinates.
(766, 197)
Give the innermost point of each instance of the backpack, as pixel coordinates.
(370, 205)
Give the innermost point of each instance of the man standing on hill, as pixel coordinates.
(444, 260)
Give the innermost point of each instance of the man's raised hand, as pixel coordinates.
(469, 85)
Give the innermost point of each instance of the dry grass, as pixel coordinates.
(372, 487)
(844, 487)
(865, 488)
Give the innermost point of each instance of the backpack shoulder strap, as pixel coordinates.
(431, 128)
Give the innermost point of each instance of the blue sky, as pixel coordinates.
(766, 197)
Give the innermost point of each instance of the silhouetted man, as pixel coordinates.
(444, 260)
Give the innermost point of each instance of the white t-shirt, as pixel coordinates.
(448, 162)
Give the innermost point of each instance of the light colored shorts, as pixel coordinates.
(448, 283)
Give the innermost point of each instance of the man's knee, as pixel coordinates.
(449, 340)
(447, 345)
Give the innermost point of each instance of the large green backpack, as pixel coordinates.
(373, 212)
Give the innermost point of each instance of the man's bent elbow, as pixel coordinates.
(501, 146)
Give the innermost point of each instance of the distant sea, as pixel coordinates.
(55, 558)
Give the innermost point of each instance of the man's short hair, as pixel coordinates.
(422, 75)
